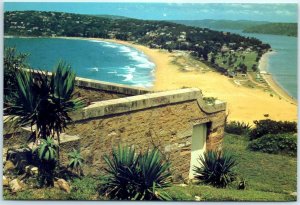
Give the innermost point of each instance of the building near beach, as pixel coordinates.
(177, 122)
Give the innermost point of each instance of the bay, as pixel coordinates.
(93, 59)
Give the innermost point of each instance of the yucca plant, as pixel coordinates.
(154, 174)
(47, 154)
(121, 174)
(132, 176)
(75, 161)
(45, 101)
(216, 169)
(12, 61)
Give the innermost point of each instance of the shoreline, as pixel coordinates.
(243, 104)
(267, 76)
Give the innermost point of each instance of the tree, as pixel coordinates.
(44, 101)
(12, 62)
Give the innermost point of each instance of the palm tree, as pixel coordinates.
(45, 101)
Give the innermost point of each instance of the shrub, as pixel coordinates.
(75, 161)
(268, 126)
(238, 128)
(216, 169)
(132, 176)
(47, 160)
(275, 144)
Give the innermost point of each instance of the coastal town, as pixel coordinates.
(214, 124)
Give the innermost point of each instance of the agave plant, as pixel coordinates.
(11, 63)
(154, 176)
(45, 101)
(132, 176)
(47, 155)
(75, 161)
(216, 169)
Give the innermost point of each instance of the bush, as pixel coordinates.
(275, 144)
(132, 176)
(75, 161)
(216, 169)
(238, 128)
(47, 161)
(268, 126)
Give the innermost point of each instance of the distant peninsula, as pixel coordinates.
(226, 52)
(287, 29)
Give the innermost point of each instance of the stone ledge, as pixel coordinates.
(103, 85)
(133, 103)
(111, 87)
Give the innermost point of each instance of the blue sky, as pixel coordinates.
(170, 11)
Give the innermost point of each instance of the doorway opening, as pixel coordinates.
(198, 146)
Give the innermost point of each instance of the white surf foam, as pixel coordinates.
(94, 69)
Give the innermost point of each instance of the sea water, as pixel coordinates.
(282, 64)
(93, 59)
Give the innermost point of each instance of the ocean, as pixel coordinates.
(283, 63)
(93, 59)
(117, 63)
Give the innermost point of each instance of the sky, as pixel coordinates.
(169, 11)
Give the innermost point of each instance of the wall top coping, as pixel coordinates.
(110, 87)
(145, 101)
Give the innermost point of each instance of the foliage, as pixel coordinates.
(263, 127)
(154, 34)
(84, 188)
(47, 150)
(47, 155)
(269, 178)
(132, 176)
(45, 101)
(216, 169)
(288, 29)
(209, 193)
(12, 62)
(275, 144)
(75, 160)
(210, 100)
(238, 128)
(264, 172)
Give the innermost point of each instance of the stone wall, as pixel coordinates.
(164, 120)
(135, 116)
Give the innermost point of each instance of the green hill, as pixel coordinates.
(203, 43)
(287, 29)
(220, 24)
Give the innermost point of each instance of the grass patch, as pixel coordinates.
(262, 171)
(268, 177)
(81, 189)
(248, 59)
(208, 193)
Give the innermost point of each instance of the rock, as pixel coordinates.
(197, 198)
(64, 185)
(56, 184)
(34, 170)
(5, 181)
(31, 170)
(183, 185)
(293, 194)
(9, 166)
(20, 158)
(15, 185)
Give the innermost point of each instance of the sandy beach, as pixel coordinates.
(243, 104)
(263, 65)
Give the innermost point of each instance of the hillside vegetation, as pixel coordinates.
(287, 29)
(221, 24)
(203, 43)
